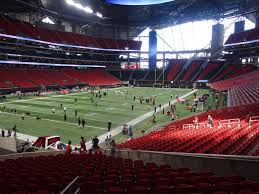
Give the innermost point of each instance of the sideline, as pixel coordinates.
(133, 122)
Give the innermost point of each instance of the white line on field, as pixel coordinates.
(54, 96)
(135, 121)
(56, 121)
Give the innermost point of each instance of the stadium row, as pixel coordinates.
(34, 77)
(20, 28)
(245, 36)
(110, 175)
(202, 70)
(230, 134)
(11, 77)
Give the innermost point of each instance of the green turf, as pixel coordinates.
(114, 107)
(147, 125)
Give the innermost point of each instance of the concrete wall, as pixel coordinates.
(246, 166)
(30, 154)
(8, 143)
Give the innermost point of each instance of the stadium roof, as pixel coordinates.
(158, 15)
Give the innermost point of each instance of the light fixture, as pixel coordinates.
(99, 15)
(88, 10)
(70, 2)
(80, 6)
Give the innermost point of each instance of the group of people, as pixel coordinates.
(95, 146)
(109, 143)
(9, 133)
(127, 130)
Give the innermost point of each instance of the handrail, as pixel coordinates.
(200, 125)
(229, 122)
(68, 187)
(253, 119)
(188, 126)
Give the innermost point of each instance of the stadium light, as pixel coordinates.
(99, 15)
(79, 6)
(88, 10)
(70, 2)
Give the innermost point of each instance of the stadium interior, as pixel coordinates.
(129, 97)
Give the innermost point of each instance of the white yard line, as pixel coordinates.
(54, 96)
(74, 124)
(133, 122)
(44, 97)
(101, 138)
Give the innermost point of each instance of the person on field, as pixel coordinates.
(75, 113)
(95, 143)
(110, 140)
(106, 142)
(79, 121)
(109, 125)
(113, 148)
(154, 118)
(130, 132)
(132, 107)
(3, 133)
(83, 123)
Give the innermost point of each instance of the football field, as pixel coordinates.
(115, 106)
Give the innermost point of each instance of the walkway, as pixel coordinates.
(113, 132)
(22, 137)
(133, 122)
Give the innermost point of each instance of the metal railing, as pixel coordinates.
(253, 121)
(72, 188)
(230, 123)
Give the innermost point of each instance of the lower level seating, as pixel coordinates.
(99, 174)
(244, 79)
(244, 94)
(35, 77)
(226, 139)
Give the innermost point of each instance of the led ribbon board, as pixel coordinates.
(137, 2)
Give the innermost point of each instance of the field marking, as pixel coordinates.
(91, 114)
(111, 108)
(135, 121)
(54, 96)
(69, 123)
(102, 137)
